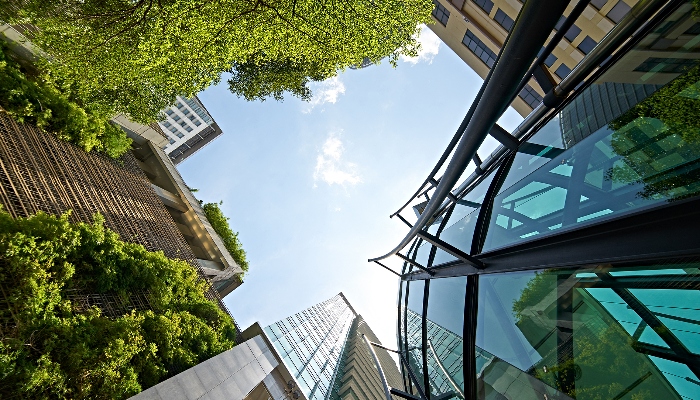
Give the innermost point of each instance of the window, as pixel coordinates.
(180, 135)
(503, 20)
(668, 65)
(586, 45)
(172, 141)
(559, 23)
(619, 11)
(188, 129)
(562, 71)
(169, 112)
(440, 13)
(550, 60)
(572, 33)
(599, 4)
(166, 124)
(486, 5)
(530, 96)
(176, 118)
(553, 331)
(693, 30)
(479, 48)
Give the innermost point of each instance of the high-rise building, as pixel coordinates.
(567, 265)
(476, 30)
(188, 127)
(319, 353)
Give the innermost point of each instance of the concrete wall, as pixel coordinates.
(232, 374)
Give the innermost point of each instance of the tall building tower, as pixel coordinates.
(319, 353)
(188, 127)
(477, 29)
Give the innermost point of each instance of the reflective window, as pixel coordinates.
(445, 321)
(619, 11)
(414, 328)
(586, 45)
(590, 334)
(486, 5)
(440, 13)
(530, 96)
(459, 230)
(504, 20)
(628, 141)
(479, 48)
(562, 71)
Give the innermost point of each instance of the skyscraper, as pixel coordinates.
(476, 30)
(318, 353)
(188, 127)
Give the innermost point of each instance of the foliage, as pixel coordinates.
(51, 348)
(41, 101)
(669, 118)
(255, 80)
(136, 56)
(219, 222)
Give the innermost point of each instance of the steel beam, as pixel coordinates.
(534, 24)
(448, 248)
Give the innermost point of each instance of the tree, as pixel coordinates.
(219, 222)
(136, 56)
(52, 347)
(35, 98)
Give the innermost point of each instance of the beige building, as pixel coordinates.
(476, 30)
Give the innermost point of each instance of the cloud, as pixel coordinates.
(325, 92)
(330, 167)
(429, 47)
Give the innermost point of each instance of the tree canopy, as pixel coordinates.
(35, 98)
(54, 347)
(136, 56)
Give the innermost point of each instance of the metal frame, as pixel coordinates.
(654, 233)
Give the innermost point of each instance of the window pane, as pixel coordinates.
(414, 328)
(486, 5)
(586, 45)
(562, 71)
(459, 229)
(619, 11)
(626, 142)
(572, 33)
(504, 20)
(444, 325)
(441, 13)
(587, 334)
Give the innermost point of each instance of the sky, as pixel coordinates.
(310, 186)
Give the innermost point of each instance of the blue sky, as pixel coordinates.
(310, 186)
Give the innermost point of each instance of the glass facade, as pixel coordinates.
(625, 145)
(311, 344)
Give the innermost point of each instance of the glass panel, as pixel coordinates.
(629, 141)
(590, 334)
(459, 230)
(414, 328)
(445, 321)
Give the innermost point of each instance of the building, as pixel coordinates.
(567, 266)
(477, 29)
(188, 127)
(319, 353)
(141, 196)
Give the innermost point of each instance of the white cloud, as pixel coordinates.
(325, 92)
(429, 47)
(330, 167)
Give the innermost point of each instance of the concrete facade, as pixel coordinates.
(487, 21)
(247, 371)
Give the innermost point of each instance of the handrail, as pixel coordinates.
(630, 23)
(520, 50)
(459, 391)
(382, 377)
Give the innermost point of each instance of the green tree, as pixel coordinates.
(52, 347)
(219, 222)
(136, 56)
(35, 98)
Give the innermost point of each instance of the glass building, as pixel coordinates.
(323, 348)
(566, 266)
